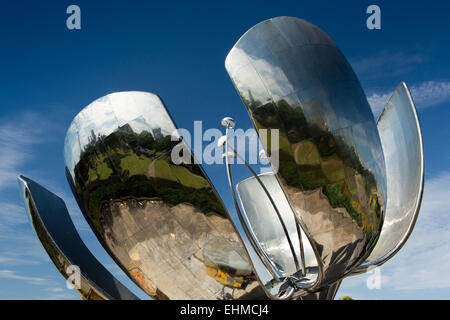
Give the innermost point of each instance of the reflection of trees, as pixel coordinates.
(338, 199)
(118, 165)
(294, 129)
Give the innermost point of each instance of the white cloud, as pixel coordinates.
(15, 261)
(17, 137)
(424, 261)
(9, 274)
(41, 288)
(60, 296)
(12, 214)
(142, 110)
(425, 94)
(430, 93)
(20, 246)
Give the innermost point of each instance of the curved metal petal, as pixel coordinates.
(291, 76)
(53, 225)
(160, 219)
(401, 138)
(269, 235)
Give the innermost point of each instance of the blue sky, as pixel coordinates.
(177, 50)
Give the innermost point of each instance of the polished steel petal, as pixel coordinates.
(291, 76)
(160, 220)
(401, 138)
(269, 235)
(54, 228)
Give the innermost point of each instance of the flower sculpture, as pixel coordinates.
(343, 194)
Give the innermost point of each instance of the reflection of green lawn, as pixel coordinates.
(140, 165)
(135, 164)
(351, 185)
(163, 170)
(301, 165)
(283, 142)
(360, 181)
(306, 153)
(176, 173)
(285, 145)
(333, 168)
(102, 170)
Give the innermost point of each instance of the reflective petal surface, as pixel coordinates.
(162, 222)
(401, 138)
(268, 233)
(291, 76)
(54, 228)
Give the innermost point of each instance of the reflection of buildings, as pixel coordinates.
(332, 226)
(126, 128)
(157, 134)
(93, 138)
(183, 253)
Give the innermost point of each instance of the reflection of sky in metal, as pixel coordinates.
(290, 68)
(263, 221)
(143, 111)
(401, 137)
(290, 59)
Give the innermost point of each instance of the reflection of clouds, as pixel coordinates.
(18, 137)
(236, 59)
(362, 144)
(300, 64)
(72, 147)
(141, 110)
(273, 77)
(99, 117)
(10, 274)
(338, 105)
(12, 214)
(367, 142)
(141, 105)
(249, 84)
